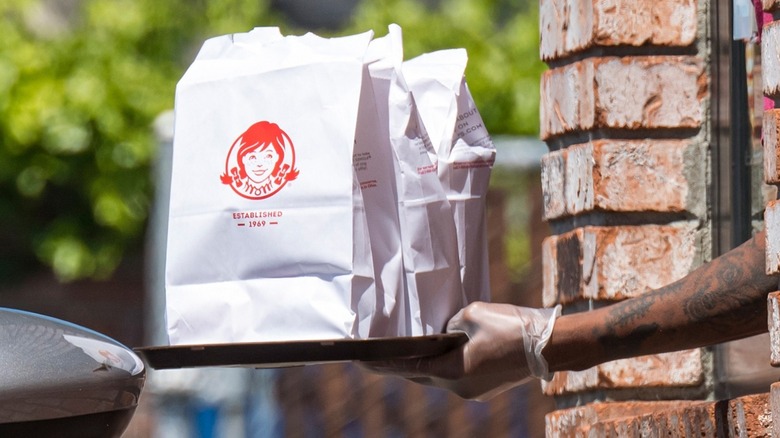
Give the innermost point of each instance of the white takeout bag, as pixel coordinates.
(308, 201)
(428, 235)
(267, 234)
(375, 169)
(465, 154)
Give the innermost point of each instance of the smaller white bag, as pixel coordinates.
(428, 233)
(465, 154)
(375, 169)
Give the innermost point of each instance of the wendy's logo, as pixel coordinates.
(260, 162)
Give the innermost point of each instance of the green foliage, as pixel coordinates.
(78, 97)
(501, 39)
(76, 109)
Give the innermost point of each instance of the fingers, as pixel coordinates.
(455, 324)
(467, 319)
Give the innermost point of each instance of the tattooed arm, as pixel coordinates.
(720, 301)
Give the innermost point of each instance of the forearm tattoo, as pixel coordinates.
(624, 317)
(732, 291)
(726, 298)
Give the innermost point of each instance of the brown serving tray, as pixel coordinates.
(296, 353)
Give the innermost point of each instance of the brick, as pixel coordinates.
(578, 182)
(641, 176)
(567, 99)
(770, 135)
(677, 369)
(770, 59)
(750, 416)
(568, 27)
(653, 92)
(584, 421)
(553, 180)
(773, 316)
(565, 27)
(744, 417)
(614, 263)
(772, 226)
(774, 406)
(698, 419)
(550, 271)
(665, 176)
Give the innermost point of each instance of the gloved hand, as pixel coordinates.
(504, 349)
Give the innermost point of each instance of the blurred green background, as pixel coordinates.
(81, 82)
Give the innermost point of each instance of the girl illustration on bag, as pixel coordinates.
(260, 162)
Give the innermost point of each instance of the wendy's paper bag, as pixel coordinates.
(267, 233)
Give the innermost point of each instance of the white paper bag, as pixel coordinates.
(238, 45)
(267, 236)
(375, 169)
(428, 234)
(465, 154)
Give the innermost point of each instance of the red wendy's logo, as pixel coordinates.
(260, 162)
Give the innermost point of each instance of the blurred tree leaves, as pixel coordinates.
(81, 82)
(502, 41)
(79, 89)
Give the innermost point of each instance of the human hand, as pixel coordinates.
(504, 350)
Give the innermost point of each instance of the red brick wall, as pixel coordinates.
(624, 113)
(770, 60)
(748, 416)
(770, 46)
(625, 181)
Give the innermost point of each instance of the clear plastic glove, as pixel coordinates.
(504, 350)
